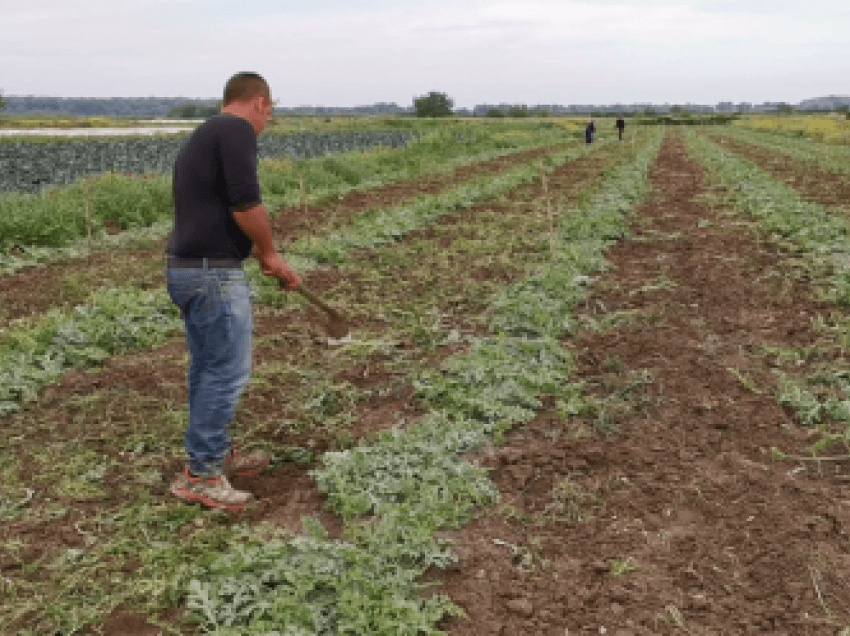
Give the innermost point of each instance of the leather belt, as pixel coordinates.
(204, 263)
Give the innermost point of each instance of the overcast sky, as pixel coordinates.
(349, 53)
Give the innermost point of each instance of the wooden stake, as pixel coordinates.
(548, 209)
(87, 192)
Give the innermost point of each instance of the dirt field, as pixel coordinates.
(664, 509)
(677, 521)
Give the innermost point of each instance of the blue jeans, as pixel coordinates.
(216, 308)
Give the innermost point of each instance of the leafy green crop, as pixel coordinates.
(835, 159)
(114, 321)
(411, 482)
(27, 369)
(783, 214)
(386, 226)
(28, 166)
(58, 217)
(823, 238)
(53, 220)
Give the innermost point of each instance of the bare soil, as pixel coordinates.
(811, 182)
(662, 513)
(33, 291)
(674, 518)
(287, 493)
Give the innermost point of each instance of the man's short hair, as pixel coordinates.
(243, 86)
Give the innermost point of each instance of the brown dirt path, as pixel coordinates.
(677, 520)
(33, 291)
(811, 182)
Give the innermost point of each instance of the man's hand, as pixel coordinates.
(273, 265)
(255, 224)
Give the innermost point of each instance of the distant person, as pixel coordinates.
(621, 126)
(588, 132)
(219, 220)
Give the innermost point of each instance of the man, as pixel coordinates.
(589, 130)
(621, 126)
(219, 219)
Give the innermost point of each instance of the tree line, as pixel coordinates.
(433, 104)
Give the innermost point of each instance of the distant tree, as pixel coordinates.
(844, 108)
(543, 112)
(649, 112)
(518, 111)
(784, 108)
(494, 112)
(192, 111)
(433, 105)
(2, 101)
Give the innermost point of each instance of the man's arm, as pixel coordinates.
(255, 223)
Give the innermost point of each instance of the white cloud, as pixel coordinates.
(338, 53)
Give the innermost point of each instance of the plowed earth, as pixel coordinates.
(662, 514)
(812, 183)
(676, 520)
(132, 385)
(33, 291)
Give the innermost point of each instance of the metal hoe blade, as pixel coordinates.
(337, 326)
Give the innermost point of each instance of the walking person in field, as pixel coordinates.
(621, 126)
(589, 130)
(219, 220)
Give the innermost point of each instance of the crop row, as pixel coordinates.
(822, 238)
(115, 320)
(412, 482)
(835, 159)
(160, 533)
(61, 218)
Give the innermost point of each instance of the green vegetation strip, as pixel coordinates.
(55, 224)
(411, 482)
(160, 540)
(822, 238)
(830, 158)
(794, 223)
(382, 227)
(118, 320)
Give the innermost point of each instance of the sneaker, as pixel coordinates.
(248, 465)
(213, 492)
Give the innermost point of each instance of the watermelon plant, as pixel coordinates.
(822, 238)
(34, 357)
(412, 482)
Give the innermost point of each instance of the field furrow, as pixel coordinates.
(305, 397)
(817, 184)
(589, 389)
(33, 291)
(658, 500)
(113, 320)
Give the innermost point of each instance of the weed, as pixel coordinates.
(528, 558)
(673, 616)
(569, 503)
(746, 382)
(621, 567)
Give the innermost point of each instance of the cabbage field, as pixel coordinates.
(29, 166)
(590, 388)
